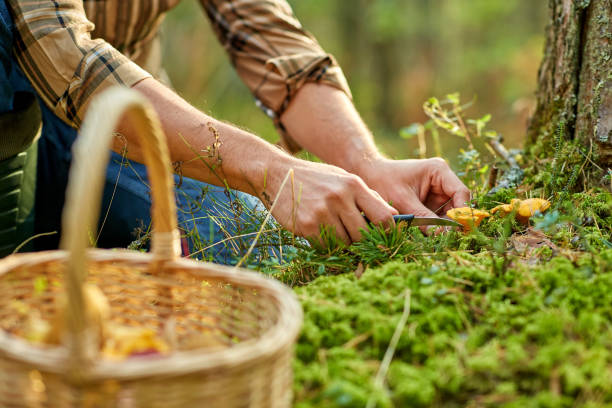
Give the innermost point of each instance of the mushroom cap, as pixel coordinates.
(530, 206)
(124, 341)
(507, 208)
(468, 217)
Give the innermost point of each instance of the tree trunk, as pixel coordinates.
(575, 79)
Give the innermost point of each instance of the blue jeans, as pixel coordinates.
(209, 217)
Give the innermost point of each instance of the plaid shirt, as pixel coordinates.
(72, 49)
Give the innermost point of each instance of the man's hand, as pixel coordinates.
(425, 187)
(321, 194)
(324, 121)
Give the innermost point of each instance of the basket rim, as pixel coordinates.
(274, 340)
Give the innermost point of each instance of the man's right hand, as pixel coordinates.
(321, 194)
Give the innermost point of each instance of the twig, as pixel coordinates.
(492, 177)
(503, 153)
(436, 140)
(422, 142)
(386, 362)
(443, 205)
(280, 190)
(463, 128)
(355, 341)
(44, 234)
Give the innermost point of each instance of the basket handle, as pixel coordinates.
(91, 153)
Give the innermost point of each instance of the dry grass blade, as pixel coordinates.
(24, 243)
(386, 362)
(265, 222)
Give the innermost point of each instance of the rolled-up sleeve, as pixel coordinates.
(54, 48)
(271, 52)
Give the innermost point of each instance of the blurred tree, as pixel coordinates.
(575, 79)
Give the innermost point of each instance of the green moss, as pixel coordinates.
(487, 323)
(471, 334)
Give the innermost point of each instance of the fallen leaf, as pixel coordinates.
(527, 243)
(359, 271)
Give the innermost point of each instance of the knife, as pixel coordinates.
(411, 220)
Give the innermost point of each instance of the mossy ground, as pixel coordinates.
(525, 337)
(492, 323)
(506, 315)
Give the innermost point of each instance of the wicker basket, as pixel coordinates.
(231, 332)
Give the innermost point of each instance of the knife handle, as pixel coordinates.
(407, 218)
(404, 217)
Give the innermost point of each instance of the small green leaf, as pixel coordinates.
(453, 98)
(321, 270)
(486, 118)
(411, 131)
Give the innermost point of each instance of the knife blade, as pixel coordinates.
(418, 221)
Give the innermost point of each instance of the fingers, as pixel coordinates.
(341, 232)
(339, 205)
(312, 227)
(376, 209)
(419, 210)
(438, 203)
(445, 181)
(453, 187)
(334, 198)
(353, 222)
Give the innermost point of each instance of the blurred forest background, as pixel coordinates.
(395, 54)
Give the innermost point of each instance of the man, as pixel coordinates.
(68, 62)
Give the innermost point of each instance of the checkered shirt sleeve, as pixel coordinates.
(272, 53)
(54, 48)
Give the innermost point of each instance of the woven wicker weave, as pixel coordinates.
(231, 331)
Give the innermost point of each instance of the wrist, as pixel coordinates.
(270, 175)
(366, 164)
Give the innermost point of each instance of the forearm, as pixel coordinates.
(318, 194)
(205, 148)
(323, 120)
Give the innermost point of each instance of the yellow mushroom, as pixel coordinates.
(97, 314)
(507, 208)
(123, 342)
(524, 208)
(529, 207)
(468, 217)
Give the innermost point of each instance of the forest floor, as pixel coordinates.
(508, 314)
(513, 314)
(514, 318)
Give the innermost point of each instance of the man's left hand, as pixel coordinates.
(426, 187)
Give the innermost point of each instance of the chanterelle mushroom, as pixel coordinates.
(525, 209)
(529, 207)
(468, 217)
(507, 208)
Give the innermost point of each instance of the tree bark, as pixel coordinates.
(575, 78)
